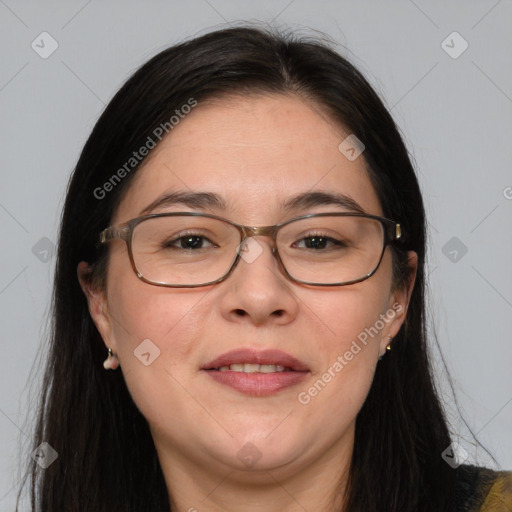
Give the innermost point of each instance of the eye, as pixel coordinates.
(318, 242)
(189, 241)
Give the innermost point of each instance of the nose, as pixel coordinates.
(257, 291)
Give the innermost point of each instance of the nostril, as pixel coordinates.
(240, 312)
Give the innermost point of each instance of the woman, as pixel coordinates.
(239, 299)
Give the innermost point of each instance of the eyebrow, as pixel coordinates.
(212, 201)
(195, 200)
(319, 198)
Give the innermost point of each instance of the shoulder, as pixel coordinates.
(482, 489)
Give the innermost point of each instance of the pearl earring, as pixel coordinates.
(111, 363)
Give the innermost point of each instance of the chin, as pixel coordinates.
(253, 465)
(251, 454)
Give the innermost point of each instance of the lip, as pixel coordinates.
(257, 384)
(245, 355)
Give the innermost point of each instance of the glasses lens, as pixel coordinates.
(331, 249)
(184, 250)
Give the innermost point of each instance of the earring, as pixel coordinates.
(389, 343)
(387, 348)
(111, 363)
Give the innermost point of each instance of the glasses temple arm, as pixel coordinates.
(113, 233)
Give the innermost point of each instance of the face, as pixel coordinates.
(255, 153)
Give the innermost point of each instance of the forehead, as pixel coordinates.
(255, 152)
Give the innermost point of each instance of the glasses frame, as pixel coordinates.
(392, 232)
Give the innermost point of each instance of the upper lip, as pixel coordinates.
(251, 356)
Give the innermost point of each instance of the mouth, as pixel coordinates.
(256, 361)
(257, 373)
(253, 368)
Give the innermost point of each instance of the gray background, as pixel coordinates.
(455, 114)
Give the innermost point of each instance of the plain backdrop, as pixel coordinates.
(443, 69)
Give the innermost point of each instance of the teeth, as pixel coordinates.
(270, 368)
(253, 368)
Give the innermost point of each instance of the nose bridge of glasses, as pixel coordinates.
(250, 231)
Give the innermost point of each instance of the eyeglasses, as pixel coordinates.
(189, 249)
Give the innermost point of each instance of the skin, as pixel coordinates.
(255, 151)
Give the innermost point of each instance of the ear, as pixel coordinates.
(97, 301)
(399, 303)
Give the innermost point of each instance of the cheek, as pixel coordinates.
(155, 329)
(333, 397)
(349, 317)
(170, 319)
(351, 342)
(350, 323)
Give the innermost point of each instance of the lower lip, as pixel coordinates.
(257, 384)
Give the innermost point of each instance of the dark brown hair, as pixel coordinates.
(107, 459)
